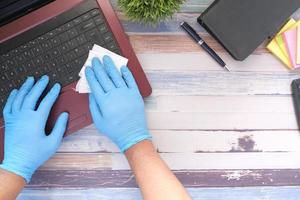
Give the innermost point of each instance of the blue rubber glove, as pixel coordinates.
(26, 146)
(116, 105)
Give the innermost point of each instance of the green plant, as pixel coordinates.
(149, 11)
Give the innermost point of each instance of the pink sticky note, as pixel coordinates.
(290, 39)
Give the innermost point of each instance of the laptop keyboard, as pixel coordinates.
(59, 53)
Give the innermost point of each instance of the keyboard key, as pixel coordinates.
(2, 59)
(108, 37)
(69, 67)
(81, 39)
(79, 62)
(112, 46)
(59, 30)
(72, 43)
(47, 56)
(3, 90)
(77, 21)
(3, 66)
(86, 17)
(61, 60)
(20, 69)
(50, 34)
(41, 38)
(27, 54)
(86, 25)
(19, 59)
(88, 46)
(29, 65)
(103, 28)
(80, 51)
(64, 37)
(63, 48)
(67, 26)
(98, 20)
(72, 33)
(2, 100)
(10, 63)
(53, 76)
(10, 86)
(54, 53)
(46, 45)
(52, 65)
(71, 56)
(94, 12)
(10, 74)
(2, 77)
(55, 41)
(37, 61)
(72, 77)
(37, 50)
(23, 47)
(94, 36)
(62, 70)
(32, 43)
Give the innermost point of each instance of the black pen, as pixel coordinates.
(201, 42)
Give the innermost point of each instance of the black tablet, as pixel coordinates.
(242, 25)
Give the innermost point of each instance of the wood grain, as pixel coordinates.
(253, 193)
(189, 178)
(89, 140)
(198, 61)
(78, 161)
(176, 43)
(179, 161)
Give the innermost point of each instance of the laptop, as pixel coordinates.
(54, 37)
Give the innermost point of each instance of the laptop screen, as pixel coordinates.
(13, 9)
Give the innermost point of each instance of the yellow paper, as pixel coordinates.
(280, 41)
(298, 46)
(276, 50)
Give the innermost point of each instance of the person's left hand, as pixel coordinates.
(26, 145)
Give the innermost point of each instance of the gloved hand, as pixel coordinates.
(116, 105)
(26, 146)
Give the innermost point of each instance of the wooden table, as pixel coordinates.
(226, 135)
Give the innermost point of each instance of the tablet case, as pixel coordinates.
(242, 25)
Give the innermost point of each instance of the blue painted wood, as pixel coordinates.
(256, 193)
(212, 83)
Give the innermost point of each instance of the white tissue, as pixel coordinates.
(99, 52)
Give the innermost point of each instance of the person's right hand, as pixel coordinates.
(116, 105)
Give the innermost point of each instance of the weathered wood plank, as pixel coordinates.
(221, 121)
(178, 161)
(200, 61)
(220, 83)
(221, 104)
(252, 193)
(77, 161)
(245, 160)
(179, 52)
(171, 43)
(192, 178)
(88, 140)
